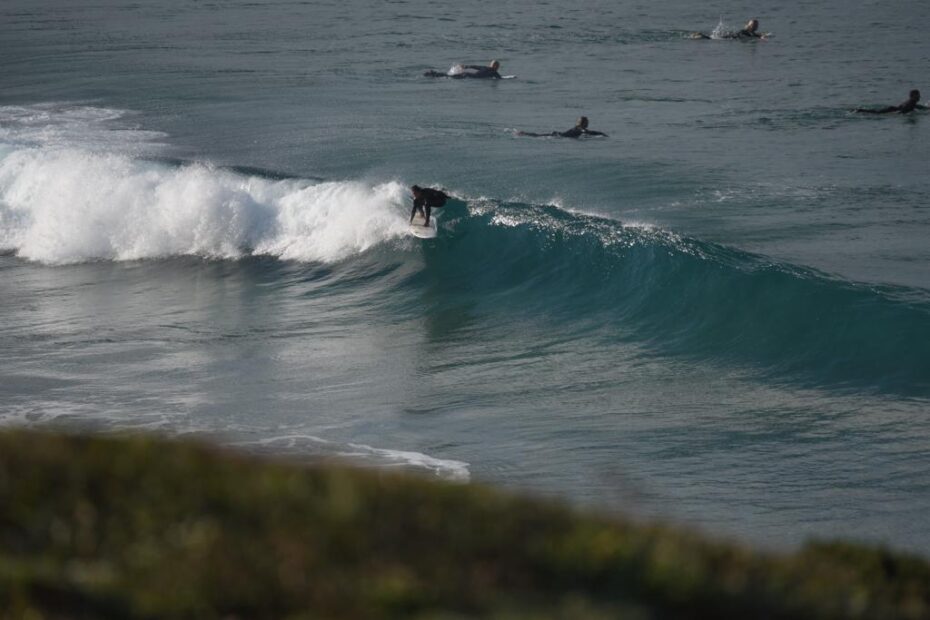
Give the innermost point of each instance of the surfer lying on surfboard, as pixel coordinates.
(424, 200)
(749, 31)
(580, 129)
(470, 71)
(905, 108)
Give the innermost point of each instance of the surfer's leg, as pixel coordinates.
(888, 110)
(428, 209)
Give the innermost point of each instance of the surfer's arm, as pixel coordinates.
(416, 206)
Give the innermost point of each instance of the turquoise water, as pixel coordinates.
(719, 315)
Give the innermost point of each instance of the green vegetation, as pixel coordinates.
(144, 528)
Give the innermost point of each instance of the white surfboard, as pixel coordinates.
(417, 228)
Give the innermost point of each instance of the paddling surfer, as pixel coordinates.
(749, 31)
(470, 71)
(905, 108)
(580, 129)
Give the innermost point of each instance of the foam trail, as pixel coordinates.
(64, 198)
(448, 469)
(56, 125)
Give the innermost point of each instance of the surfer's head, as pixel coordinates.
(582, 122)
(752, 25)
(495, 65)
(416, 190)
(915, 95)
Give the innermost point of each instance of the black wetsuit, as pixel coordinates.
(905, 108)
(429, 199)
(742, 34)
(575, 132)
(477, 71)
(745, 33)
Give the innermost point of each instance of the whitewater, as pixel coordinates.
(719, 315)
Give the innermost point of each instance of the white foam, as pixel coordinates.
(61, 125)
(446, 468)
(720, 30)
(69, 195)
(380, 457)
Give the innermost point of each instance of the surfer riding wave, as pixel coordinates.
(424, 200)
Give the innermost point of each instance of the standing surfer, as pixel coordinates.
(424, 200)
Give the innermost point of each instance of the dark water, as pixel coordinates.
(719, 315)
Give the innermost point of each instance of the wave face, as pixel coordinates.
(81, 192)
(682, 296)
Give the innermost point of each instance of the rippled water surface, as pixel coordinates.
(718, 315)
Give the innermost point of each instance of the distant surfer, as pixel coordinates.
(580, 129)
(424, 200)
(905, 108)
(470, 71)
(749, 31)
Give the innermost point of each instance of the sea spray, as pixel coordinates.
(75, 187)
(69, 205)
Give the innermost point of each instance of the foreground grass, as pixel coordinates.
(139, 528)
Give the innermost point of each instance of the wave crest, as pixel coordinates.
(70, 205)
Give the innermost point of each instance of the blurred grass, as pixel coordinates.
(138, 527)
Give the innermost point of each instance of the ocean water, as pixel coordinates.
(719, 315)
